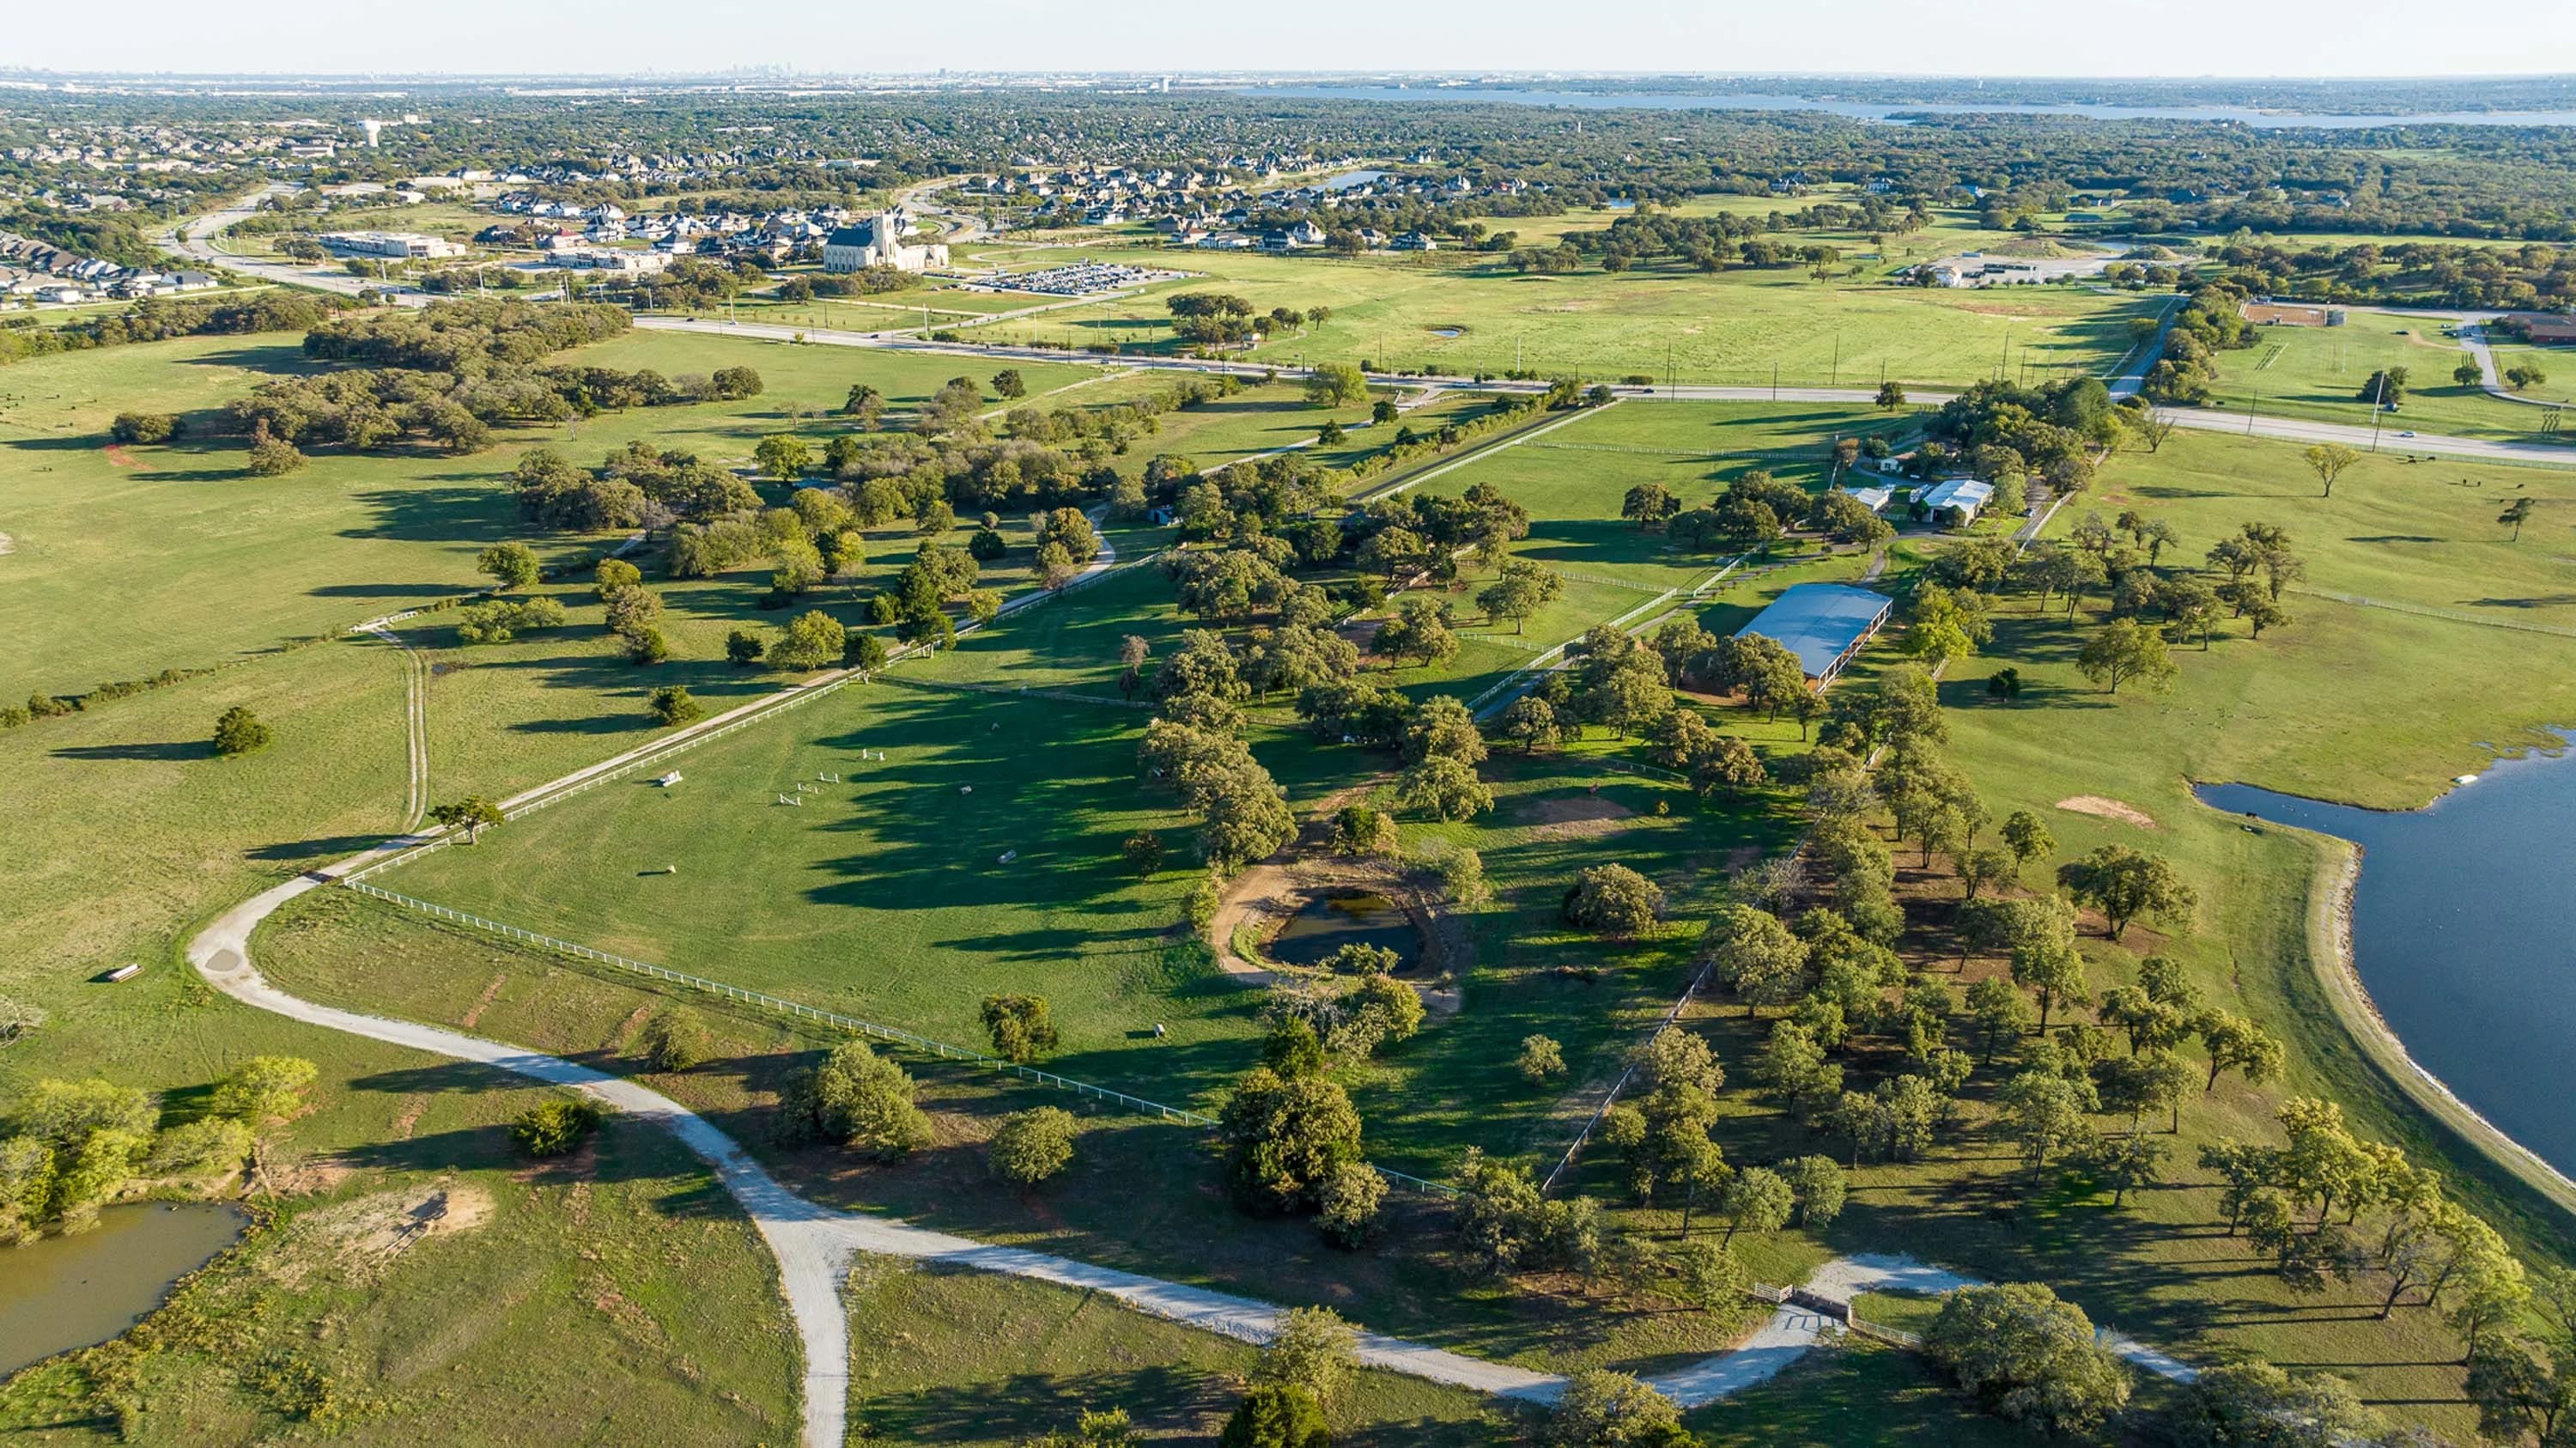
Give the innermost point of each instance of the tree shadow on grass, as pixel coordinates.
(387, 590)
(318, 847)
(1180, 1397)
(177, 749)
(467, 514)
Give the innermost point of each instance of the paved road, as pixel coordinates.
(813, 1244)
(194, 239)
(2291, 429)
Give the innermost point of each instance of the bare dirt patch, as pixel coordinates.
(1574, 816)
(309, 1178)
(117, 455)
(622, 1039)
(1262, 898)
(483, 1003)
(8, 544)
(1996, 309)
(2108, 809)
(361, 1238)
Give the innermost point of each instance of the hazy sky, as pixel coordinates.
(1978, 37)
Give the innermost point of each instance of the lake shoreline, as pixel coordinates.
(2331, 892)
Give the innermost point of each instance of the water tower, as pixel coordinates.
(374, 128)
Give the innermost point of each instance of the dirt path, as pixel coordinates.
(415, 720)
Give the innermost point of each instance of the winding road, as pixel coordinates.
(813, 1244)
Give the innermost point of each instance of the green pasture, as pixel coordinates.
(339, 947)
(1731, 327)
(885, 896)
(175, 557)
(2319, 373)
(624, 1291)
(1573, 479)
(963, 1358)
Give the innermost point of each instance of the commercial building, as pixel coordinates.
(1824, 624)
(2546, 329)
(397, 245)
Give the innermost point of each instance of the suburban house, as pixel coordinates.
(1874, 499)
(878, 241)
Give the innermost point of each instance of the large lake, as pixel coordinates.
(2464, 932)
(1877, 111)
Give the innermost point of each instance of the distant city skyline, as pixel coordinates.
(2110, 39)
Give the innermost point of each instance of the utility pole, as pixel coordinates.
(1835, 377)
(1775, 379)
(2378, 399)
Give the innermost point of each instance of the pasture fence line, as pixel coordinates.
(1608, 581)
(834, 1020)
(2427, 610)
(1016, 691)
(650, 756)
(831, 1020)
(758, 711)
(1892, 1336)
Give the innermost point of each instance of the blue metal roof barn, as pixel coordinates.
(1824, 624)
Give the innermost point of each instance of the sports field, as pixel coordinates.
(2319, 372)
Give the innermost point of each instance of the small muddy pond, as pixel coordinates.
(1347, 917)
(67, 1292)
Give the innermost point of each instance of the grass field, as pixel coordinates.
(885, 894)
(620, 1294)
(1731, 327)
(967, 1359)
(2365, 704)
(335, 946)
(2319, 372)
(113, 564)
(624, 1292)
